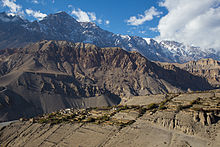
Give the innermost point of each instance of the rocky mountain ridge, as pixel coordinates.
(52, 75)
(17, 32)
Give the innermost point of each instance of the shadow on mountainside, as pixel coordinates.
(182, 79)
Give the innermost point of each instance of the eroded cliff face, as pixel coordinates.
(88, 63)
(207, 68)
(64, 74)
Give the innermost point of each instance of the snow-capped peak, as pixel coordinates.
(62, 26)
(181, 52)
(148, 40)
(125, 37)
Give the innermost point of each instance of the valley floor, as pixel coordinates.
(141, 133)
(172, 120)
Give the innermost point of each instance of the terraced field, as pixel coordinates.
(189, 119)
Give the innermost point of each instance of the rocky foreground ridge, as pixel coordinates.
(53, 75)
(189, 119)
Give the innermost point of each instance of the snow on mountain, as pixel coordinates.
(180, 52)
(62, 26)
(148, 40)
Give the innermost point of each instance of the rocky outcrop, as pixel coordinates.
(193, 114)
(191, 123)
(207, 68)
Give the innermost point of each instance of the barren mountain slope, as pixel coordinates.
(207, 68)
(52, 75)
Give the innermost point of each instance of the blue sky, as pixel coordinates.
(193, 22)
(116, 12)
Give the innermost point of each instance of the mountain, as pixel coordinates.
(206, 68)
(51, 75)
(180, 53)
(17, 32)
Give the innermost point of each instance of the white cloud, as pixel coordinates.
(11, 4)
(107, 22)
(92, 16)
(148, 15)
(36, 14)
(35, 1)
(83, 16)
(142, 32)
(70, 6)
(153, 29)
(99, 21)
(191, 21)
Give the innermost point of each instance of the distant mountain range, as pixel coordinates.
(18, 32)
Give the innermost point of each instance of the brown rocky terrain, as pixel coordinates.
(53, 75)
(207, 68)
(172, 120)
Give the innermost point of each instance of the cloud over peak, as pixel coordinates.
(35, 14)
(191, 21)
(148, 15)
(83, 16)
